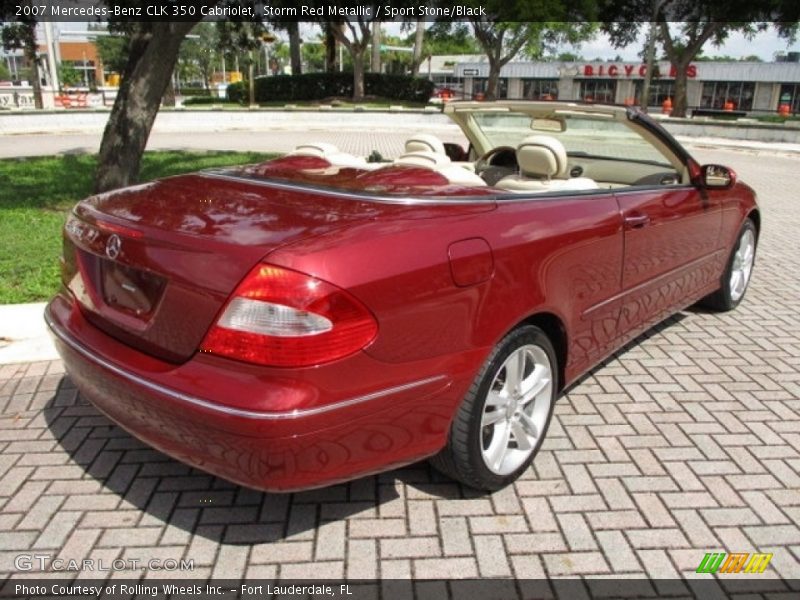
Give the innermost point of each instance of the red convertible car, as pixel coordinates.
(317, 318)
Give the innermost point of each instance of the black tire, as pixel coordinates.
(724, 299)
(463, 457)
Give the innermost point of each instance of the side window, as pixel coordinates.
(615, 154)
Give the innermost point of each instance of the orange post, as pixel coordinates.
(728, 106)
(784, 110)
(666, 106)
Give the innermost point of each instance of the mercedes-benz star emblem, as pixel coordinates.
(113, 246)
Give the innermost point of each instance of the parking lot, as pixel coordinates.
(684, 443)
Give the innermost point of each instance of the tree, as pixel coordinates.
(503, 40)
(356, 47)
(187, 67)
(151, 56)
(68, 75)
(113, 51)
(701, 21)
(294, 47)
(375, 60)
(445, 37)
(419, 42)
(22, 35)
(202, 52)
(681, 52)
(683, 48)
(245, 38)
(313, 54)
(394, 61)
(153, 52)
(329, 27)
(568, 57)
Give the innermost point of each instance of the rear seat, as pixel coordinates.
(331, 153)
(441, 163)
(424, 142)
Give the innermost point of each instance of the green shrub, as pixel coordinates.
(196, 100)
(194, 91)
(318, 86)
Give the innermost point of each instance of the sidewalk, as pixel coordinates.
(751, 146)
(23, 334)
(53, 133)
(683, 444)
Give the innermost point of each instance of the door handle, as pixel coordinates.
(636, 221)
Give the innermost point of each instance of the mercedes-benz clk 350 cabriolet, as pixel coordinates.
(317, 317)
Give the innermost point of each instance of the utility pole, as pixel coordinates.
(51, 55)
(375, 67)
(650, 56)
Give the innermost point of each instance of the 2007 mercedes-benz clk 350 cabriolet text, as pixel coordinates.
(317, 318)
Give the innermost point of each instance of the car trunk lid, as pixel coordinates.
(153, 264)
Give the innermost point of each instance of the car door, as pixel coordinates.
(560, 255)
(670, 238)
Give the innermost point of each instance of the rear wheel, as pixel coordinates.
(736, 277)
(504, 417)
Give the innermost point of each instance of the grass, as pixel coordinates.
(37, 193)
(372, 104)
(778, 119)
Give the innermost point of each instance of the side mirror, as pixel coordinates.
(717, 177)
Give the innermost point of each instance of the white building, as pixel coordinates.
(751, 87)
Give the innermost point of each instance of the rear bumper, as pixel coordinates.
(283, 432)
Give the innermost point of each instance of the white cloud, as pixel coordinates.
(764, 45)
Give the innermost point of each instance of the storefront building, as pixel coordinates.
(750, 87)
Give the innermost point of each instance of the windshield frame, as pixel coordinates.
(462, 113)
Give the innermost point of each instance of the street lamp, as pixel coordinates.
(267, 38)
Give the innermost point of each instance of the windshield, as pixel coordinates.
(584, 135)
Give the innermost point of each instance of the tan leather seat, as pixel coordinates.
(543, 167)
(424, 142)
(422, 158)
(441, 163)
(331, 153)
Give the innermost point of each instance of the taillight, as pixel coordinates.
(285, 318)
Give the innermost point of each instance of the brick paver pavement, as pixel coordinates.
(686, 442)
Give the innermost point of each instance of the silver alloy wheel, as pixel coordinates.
(742, 264)
(516, 409)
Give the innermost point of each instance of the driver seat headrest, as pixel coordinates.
(542, 157)
(424, 142)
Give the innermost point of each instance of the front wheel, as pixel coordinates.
(736, 277)
(503, 419)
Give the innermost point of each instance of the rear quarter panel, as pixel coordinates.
(559, 255)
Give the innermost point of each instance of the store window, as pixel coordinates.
(540, 89)
(790, 94)
(480, 84)
(716, 94)
(86, 70)
(450, 82)
(660, 90)
(602, 91)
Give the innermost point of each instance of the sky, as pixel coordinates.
(764, 45)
